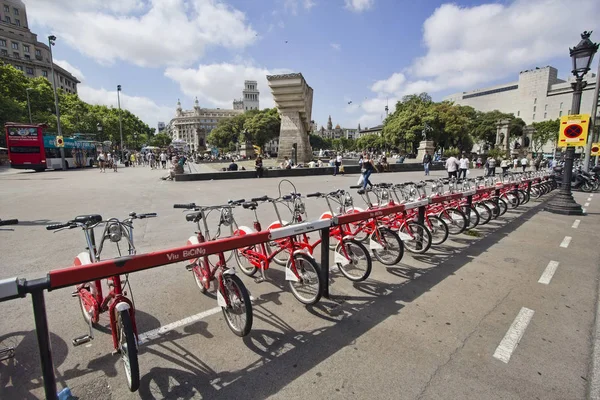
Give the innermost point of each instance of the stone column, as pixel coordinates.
(502, 128)
(293, 131)
(425, 145)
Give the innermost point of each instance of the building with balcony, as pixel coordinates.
(20, 47)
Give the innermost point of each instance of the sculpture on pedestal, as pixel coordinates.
(293, 99)
(425, 145)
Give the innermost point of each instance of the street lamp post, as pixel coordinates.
(135, 140)
(582, 55)
(29, 104)
(120, 123)
(51, 40)
(100, 129)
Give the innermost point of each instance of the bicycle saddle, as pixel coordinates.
(250, 204)
(88, 219)
(193, 217)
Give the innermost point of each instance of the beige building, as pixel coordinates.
(538, 95)
(20, 47)
(250, 97)
(193, 126)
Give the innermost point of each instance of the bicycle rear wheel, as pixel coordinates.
(359, 267)
(238, 314)
(438, 229)
(419, 240)
(128, 349)
(511, 199)
(309, 288)
(485, 214)
(392, 249)
(472, 215)
(493, 206)
(501, 205)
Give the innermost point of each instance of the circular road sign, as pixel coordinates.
(573, 131)
(595, 149)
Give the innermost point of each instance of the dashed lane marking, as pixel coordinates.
(586, 205)
(512, 338)
(565, 242)
(576, 224)
(548, 272)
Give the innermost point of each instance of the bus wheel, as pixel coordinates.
(66, 165)
(91, 164)
(39, 169)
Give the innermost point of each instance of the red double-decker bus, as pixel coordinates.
(29, 147)
(25, 145)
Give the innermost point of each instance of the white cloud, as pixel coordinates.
(73, 70)
(145, 33)
(467, 47)
(336, 46)
(359, 5)
(291, 6)
(144, 108)
(218, 85)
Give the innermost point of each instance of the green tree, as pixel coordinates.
(318, 143)
(262, 126)
(484, 126)
(545, 132)
(160, 140)
(370, 142)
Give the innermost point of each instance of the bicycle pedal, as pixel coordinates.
(189, 267)
(75, 294)
(260, 279)
(81, 340)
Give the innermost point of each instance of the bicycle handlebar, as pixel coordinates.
(356, 187)
(9, 222)
(316, 194)
(58, 226)
(186, 206)
(146, 215)
(263, 198)
(237, 202)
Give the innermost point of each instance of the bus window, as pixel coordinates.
(25, 149)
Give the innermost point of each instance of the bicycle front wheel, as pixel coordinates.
(359, 266)
(388, 249)
(128, 349)
(438, 229)
(472, 215)
(239, 312)
(418, 237)
(485, 214)
(455, 219)
(309, 288)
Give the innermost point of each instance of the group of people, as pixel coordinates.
(106, 159)
(149, 158)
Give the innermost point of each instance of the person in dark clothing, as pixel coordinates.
(426, 162)
(258, 164)
(233, 166)
(368, 168)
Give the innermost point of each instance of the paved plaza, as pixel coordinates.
(436, 326)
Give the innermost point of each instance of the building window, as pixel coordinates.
(533, 117)
(17, 22)
(38, 52)
(518, 113)
(535, 101)
(16, 54)
(61, 79)
(2, 42)
(6, 8)
(7, 19)
(560, 113)
(546, 107)
(45, 74)
(534, 107)
(15, 45)
(29, 70)
(27, 57)
(545, 115)
(561, 105)
(26, 48)
(16, 11)
(4, 52)
(19, 67)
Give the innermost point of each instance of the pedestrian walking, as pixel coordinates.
(102, 161)
(367, 169)
(479, 162)
(491, 166)
(463, 165)
(505, 165)
(426, 162)
(258, 165)
(524, 163)
(132, 159)
(452, 166)
(163, 159)
(515, 163)
(337, 163)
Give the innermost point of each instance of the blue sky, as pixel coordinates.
(369, 52)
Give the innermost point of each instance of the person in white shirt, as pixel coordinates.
(463, 164)
(451, 166)
(163, 159)
(338, 163)
(311, 164)
(524, 163)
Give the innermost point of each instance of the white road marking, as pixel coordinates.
(155, 333)
(589, 199)
(583, 209)
(586, 205)
(576, 224)
(549, 272)
(513, 336)
(565, 242)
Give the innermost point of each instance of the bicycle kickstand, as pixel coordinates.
(85, 338)
(262, 277)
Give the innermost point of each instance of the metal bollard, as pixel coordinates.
(469, 205)
(421, 220)
(325, 261)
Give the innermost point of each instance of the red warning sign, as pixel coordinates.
(573, 130)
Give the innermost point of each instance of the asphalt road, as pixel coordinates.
(434, 326)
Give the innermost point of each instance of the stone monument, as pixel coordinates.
(502, 135)
(293, 99)
(425, 145)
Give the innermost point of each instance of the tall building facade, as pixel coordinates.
(193, 126)
(538, 95)
(250, 97)
(20, 47)
(161, 127)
